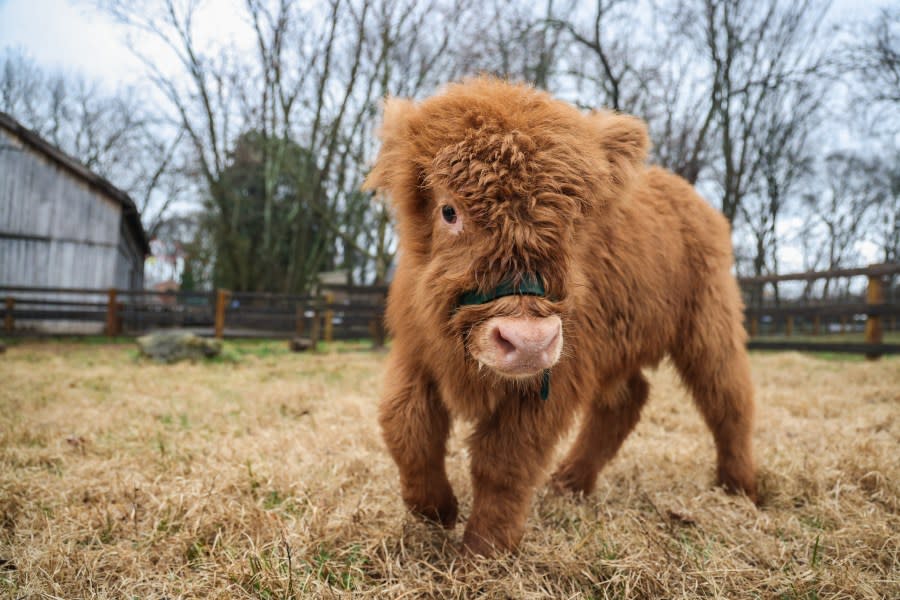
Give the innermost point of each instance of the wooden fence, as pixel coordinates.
(349, 312)
(336, 313)
(816, 325)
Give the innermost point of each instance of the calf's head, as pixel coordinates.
(495, 188)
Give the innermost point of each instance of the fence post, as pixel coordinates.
(874, 329)
(112, 308)
(378, 323)
(314, 328)
(754, 327)
(329, 317)
(301, 314)
(817, 323)
(221, 304)
(8, 321)
(789, 326)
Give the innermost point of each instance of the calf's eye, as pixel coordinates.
(449, 213)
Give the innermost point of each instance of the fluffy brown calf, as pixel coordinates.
(540, 257)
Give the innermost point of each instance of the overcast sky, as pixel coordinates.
(72, 35)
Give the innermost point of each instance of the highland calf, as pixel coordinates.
(542, 265)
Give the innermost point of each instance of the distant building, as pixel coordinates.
(169, 287)
(61, 225)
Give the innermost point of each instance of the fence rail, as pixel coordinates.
(342, 312)
(354, 312)
(774, 326)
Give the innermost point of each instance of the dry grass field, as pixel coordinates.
(262, 475)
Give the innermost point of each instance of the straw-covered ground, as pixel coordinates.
(262, 475)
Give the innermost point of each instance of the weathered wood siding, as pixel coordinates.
(57, 231)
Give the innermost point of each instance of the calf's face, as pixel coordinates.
(502, 223)
(491, 271)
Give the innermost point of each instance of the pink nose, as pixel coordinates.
(525, 345)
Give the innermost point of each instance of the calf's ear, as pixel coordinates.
(392, 165)
(625, 143)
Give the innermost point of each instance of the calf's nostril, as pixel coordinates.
(502, 343)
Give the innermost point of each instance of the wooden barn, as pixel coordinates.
(61, 225)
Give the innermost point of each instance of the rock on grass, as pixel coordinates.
(173, 346)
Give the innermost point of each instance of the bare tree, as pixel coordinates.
(627, 56)
(604, 55)
(750, 49)
(843, 210)
(790, 116)
(519, 41)
(679, 109)
(300, 110)
(876, 64)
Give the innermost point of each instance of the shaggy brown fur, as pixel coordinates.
(636, 265)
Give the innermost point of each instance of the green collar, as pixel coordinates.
(530, 285)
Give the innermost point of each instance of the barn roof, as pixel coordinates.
(35, 142)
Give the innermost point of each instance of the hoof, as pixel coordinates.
(443, 512)
(739, 485)
(570, 479)
(475, 544)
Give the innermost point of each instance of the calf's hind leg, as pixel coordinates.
(607, 422)
(712, 360)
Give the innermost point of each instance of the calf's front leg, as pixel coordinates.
(415, 426)
(509, 452)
